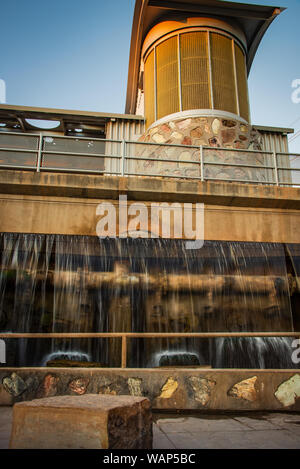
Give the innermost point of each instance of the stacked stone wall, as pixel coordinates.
(180, 140)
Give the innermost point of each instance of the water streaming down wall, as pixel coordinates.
(56, 283)
(253, 352)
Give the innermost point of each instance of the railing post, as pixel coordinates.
(124, 351)
(39, 159)
(201, 163)
(123, 158)
(275, 168)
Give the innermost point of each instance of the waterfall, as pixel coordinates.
(254, 352)
(60, 283)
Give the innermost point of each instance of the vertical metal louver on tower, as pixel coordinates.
(150, 88)
(167, 77)
(195, 81)
(203, 69)
(223, 80)
(242, 83)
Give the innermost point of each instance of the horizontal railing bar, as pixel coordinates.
(240, 180)
(16, 166)
(238, 165)
(145, 158)
(67, 153)
(140, 335)
(163, 144)
(19, 150)
(288, 169)
(44, 168)
(198, 146)
(162, 175)
(288, 154)
(72, 137)
(243, 150)
(73, 170)
(22, 134)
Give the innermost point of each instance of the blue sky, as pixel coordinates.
(72, 54)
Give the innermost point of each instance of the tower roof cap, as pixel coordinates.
(254, 21)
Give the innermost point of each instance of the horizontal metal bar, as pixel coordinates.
(18, 150)
(238, 165)
(145, 158)
(140, 335)
(241, 180)
(288, 169)
(71, 170)
(238, 150)
(67, 153)
(162, 144)
(73, 137)
(161, 175)
(287, 154)
(197, 147)
(16, 166)
(19, 133)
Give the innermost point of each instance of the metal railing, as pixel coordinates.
(57, 153)
(124, 336)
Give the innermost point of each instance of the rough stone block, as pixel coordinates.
(91, 421)
(6, 399)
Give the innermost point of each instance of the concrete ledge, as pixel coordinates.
(166, 388)
(148, 189)
(82, 422)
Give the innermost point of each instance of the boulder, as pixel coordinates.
(179, 359)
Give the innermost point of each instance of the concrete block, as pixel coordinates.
(90, 421)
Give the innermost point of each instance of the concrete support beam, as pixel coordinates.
(148, 189)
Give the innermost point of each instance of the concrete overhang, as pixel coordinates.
(254, 21)
(273, 130)
(18, 115)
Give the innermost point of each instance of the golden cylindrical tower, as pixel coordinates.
(188, 70)
(195, 67)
